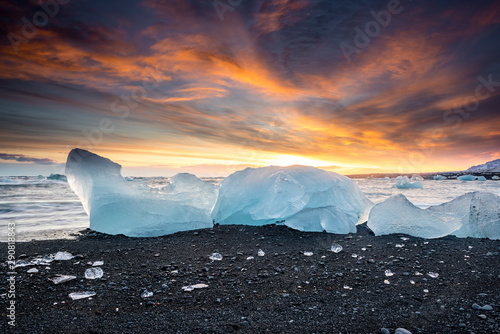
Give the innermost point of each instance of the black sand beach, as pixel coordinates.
(283, 291)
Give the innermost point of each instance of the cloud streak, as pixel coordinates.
(23, 158)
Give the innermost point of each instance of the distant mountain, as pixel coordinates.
(489, 167)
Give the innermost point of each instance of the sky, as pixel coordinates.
(211, 87)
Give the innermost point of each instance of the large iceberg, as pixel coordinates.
(398, 215)
(479, 213)
(404, 183)
(116, 206)
(304, 198)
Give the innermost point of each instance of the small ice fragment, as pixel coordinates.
(363, 249)
(147, 294)
(22, 263)
(308, 253)
(261, 252)
(405, 238)
(93, 273)
(412, 282)
(62, 278)
(81, 295)
(418, 273)
(216, 257)
(195, 286)
(433, 275)
(400, 245)
(426, 291)
(336, 248)
(347, 287)
(386, 281)
(389, 273)
(63, 256)
(250, 258)
(97, 263)
(32, 270)
(44, 260)
(404, 183)
(354, 255)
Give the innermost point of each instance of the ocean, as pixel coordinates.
(48, 209)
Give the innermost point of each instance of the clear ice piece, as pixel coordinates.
(22, 263)
(404, 183)
(398, 215)
(479, 213)
(147, 294)
(216, 257)
(94, 273)
(116, 206)
(81, 295)
(336, 248)
(300, 197)
(195, 286)
(433, 275)
(63, 256)
(62, 278)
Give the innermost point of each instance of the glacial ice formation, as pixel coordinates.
(439, 177)
(479, 213)
(404, 183)
(57, 177)
(116, 206)
(495, 177)
(398, 215)
(416, 177)
(304, 198)
(466, 178)
(481, 178)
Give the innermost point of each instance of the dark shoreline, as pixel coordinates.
(281, 292)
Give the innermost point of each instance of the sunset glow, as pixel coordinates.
(163, 87)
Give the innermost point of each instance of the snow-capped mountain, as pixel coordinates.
(489, 167)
